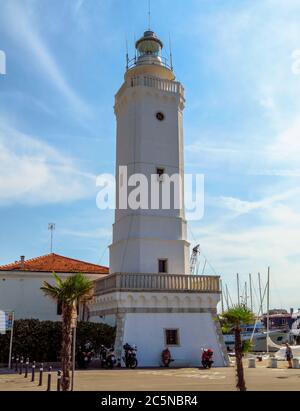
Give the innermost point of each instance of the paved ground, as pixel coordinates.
(222, 379)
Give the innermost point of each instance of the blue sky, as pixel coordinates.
(66, 60)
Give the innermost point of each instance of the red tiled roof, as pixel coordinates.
(57, 263)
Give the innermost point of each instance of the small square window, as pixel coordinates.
(172, 337)
(160, 171)
(163, 266)
(160, 174)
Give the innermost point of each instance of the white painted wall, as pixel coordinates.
(21, 293)
(196, 331)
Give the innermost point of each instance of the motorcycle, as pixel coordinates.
(107, 357)
(84, 356)
(130, 359)
(207, 358)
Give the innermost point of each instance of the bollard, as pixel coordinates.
(296, 364)
(273, 362)
(41, 375)
(49, 379)
(12, 362)
(58, 380)
(21, 366)
(251, 363)
(16, 364)
(33, 371)
(26, 367)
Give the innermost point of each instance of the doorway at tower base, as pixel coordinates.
(188, 334)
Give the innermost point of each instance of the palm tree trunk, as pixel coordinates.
(66, 351)
(239, 360)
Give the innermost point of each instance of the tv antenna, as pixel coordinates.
(51, 227)
(149, 14)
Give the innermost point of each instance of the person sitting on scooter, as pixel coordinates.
(207, 358)
(166, 357)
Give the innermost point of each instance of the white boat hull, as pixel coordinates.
(259, 341)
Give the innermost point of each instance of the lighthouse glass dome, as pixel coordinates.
(149, 45)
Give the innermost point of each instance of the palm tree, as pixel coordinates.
(69, 293)
(235, 317)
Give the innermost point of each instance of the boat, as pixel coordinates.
(258, 334)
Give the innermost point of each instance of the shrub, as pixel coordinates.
(41, 340)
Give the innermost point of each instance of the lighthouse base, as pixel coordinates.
(180, 315)
(194, 332)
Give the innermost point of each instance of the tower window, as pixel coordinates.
(163, 266)
(160, 116)
(160, 174)
(172, 337)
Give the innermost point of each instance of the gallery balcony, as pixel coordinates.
(157, 283)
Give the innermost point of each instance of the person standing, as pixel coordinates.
(289, 355)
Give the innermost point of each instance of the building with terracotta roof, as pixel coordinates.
(20, 284)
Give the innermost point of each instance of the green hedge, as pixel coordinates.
(41, 340)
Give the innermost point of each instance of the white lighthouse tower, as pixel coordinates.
(149, 110)
(150, 293)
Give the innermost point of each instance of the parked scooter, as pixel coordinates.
(207, 358)
(129, 358)
(107, 357)
(85, 355)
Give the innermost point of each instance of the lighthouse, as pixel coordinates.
(149, 112)
(149, 294)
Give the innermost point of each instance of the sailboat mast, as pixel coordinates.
(227, 297)
(222, 296)
(251, 295)
(260, 295)
(268, 309)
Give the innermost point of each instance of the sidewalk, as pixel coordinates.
(217, 379)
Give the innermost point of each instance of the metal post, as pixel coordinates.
(33, 372)
(21, 366)
(268, 309)
(11, 340)
(58, 380)
(73, 357)
(26, 367)
(41, 375)
(49, 379)
(11, 362)
(238, 288)
(17, 364)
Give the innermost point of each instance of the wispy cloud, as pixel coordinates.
(23, 28)
(32, 172)
(240, 207)
(92, 234)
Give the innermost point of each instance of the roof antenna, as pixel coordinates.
(135, 55)
(171, 54)
(149, 14)
(127, 57)
(51, 227)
